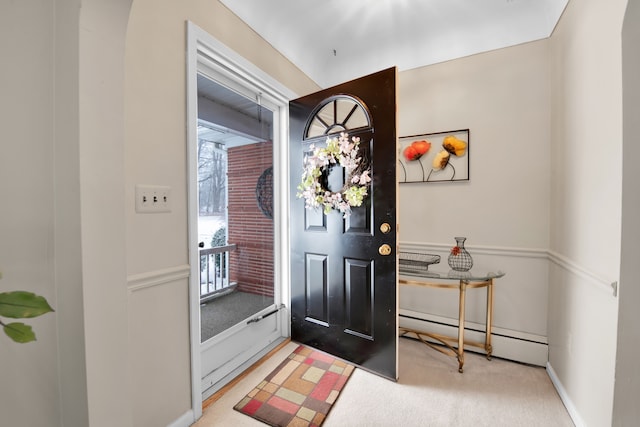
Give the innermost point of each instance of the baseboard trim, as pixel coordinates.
(185, 420)
(564, 397)
(511, 345)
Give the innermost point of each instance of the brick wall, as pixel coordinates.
(251, 264)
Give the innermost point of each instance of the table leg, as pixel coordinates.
(461, 307)
(487, 346)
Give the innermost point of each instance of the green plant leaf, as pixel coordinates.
(19, 332)
(21, 305)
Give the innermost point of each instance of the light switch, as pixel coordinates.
(153, 198)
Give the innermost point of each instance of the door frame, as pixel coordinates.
(205, 50)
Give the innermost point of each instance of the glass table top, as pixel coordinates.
(473, 274)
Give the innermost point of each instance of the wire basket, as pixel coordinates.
(416, 262)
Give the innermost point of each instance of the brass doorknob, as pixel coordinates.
(384, 250)
(385, 227)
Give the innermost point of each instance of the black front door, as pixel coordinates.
(343, 269)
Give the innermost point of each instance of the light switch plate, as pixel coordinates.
(153, 198)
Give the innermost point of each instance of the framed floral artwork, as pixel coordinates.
(434, 157)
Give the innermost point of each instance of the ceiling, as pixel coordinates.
(333, 41)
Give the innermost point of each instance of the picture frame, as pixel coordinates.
(417, 165)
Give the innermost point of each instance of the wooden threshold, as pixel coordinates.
(218, 394)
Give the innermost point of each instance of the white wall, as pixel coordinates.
(503, 98)
(29, 372)
(155, 153)
(68, 245)
(544, 195)
(102, 39)
(586, 190)
(626, 410)
(71, 155)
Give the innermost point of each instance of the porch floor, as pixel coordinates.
(225, 311)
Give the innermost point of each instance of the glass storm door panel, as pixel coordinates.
(235, 225)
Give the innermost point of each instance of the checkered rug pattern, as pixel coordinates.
(299, 392)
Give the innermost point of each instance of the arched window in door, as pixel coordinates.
(337, 114)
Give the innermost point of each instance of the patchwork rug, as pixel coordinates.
(300, 391)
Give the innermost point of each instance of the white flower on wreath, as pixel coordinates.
(339, 151)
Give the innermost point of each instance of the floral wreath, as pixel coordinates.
(338, 151)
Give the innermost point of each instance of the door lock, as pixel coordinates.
(385, 228)
(384, 250)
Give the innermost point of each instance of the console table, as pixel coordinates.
(460, 280)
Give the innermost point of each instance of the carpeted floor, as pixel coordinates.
(429, 392)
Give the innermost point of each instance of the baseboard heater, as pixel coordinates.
(507, 344)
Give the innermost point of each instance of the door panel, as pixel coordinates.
(359, 308)
(316, 292)
(343, 292)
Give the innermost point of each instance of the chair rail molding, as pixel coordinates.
(608, 286)
(149, 279)
(483, 250)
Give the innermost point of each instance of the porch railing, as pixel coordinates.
(214, 271)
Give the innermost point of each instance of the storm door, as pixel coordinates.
(236, 110)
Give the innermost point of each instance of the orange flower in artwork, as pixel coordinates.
(416, 150)
(455, 250)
